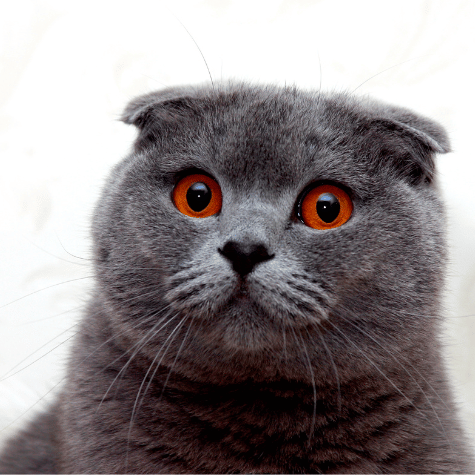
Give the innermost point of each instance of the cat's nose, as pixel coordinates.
(244, 256)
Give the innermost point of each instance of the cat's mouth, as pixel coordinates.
(289, 298)
(242, 288)
(242, 296)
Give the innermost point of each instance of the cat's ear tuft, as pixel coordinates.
(407, 142)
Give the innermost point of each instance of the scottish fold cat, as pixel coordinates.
(269, 265)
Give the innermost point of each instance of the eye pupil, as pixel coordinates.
(198, 196)
(328, 207)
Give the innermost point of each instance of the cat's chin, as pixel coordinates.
(247, 327)
(239, 349)
(244, 326)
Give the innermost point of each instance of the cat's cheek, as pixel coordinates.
(202, 284)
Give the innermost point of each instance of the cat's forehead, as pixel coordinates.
(273, 140)
(283, 140)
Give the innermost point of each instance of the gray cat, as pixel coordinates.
(269, 266)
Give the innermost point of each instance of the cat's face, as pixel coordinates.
(255, 289)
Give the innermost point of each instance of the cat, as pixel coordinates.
(269, 265)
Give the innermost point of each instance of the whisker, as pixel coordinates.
(170, 337)
(45, 288)
(439, 317)
(284, 341)
(175, 360)
(162, 84)
(410, 375)
(137, 405)
(67, 252)
(65, 377)
(314, 415)
(136, 349)
(31, 322)
(53, 255)
(8, 375)
(320, 82)
(335, 370)
(387, 69)
(141, 295)
(196, 44)
(399, 363)
(378, 369)
(32, 406)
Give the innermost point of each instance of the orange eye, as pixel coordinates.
(325, 207)
(198, 196)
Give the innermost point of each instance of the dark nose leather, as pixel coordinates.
(245, 256)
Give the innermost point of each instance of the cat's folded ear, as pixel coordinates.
(405, 141)
(143, 107)
(156, 112)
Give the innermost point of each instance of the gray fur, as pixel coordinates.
(324, 358)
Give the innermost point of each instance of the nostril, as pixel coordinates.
(245, 256)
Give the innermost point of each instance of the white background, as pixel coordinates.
(68, 68)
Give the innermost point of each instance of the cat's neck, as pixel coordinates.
(266, 418)
(276, 417)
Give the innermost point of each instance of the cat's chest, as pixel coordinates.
(246, 429)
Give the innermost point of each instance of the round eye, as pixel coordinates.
(198, 196)
(325, 207)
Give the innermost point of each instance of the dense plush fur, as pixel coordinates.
(323, 356)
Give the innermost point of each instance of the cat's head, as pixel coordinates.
(267, 228)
